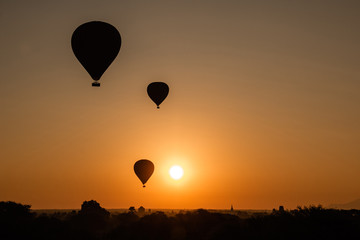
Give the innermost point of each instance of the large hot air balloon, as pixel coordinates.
(158, 91)
(96, 45)
(143, 170)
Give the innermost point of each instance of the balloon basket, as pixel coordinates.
(95, 84)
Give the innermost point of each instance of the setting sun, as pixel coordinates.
(176, 172)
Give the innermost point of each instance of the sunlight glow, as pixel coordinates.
(176, 172)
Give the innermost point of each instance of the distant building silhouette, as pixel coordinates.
(141, 210)
(232, 208)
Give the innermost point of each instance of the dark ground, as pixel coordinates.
(95, 222)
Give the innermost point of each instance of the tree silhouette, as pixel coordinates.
(132, 209)
(93, 208)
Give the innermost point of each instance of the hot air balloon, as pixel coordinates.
(158, 91)
(96, 45)
(143, 170)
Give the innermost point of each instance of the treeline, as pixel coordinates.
(95, 222)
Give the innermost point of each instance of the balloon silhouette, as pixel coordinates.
(158, 91)
(96, 45)
(143, 170)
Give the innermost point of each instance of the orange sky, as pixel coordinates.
(263, 108)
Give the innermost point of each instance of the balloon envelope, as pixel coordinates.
(158, 91)
(96, 45)
(143, 170)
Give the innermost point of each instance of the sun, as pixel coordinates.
(176, 172)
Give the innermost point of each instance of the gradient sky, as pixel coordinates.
(263, 108)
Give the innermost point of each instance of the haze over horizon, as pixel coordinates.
(263, 108)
